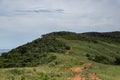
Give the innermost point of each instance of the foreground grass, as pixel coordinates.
(107, 72)
(51, 71)
(36, 73)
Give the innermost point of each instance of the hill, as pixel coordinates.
(57, 55)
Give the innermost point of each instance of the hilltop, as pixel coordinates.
(63, 51)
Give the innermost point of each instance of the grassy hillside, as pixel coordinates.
(55, 55)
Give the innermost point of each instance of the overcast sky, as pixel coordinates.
(22, 21)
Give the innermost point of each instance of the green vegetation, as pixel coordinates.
(34, 53)
(45, 58)
(51, 71)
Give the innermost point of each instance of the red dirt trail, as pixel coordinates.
(79, 70)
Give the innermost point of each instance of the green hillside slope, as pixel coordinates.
(52, 57)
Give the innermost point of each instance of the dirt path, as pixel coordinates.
(77, 77)
(80, 70)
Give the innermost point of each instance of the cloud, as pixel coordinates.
(24, 20)
(40, 11)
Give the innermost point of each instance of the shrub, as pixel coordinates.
(44, 76)
(117, 61)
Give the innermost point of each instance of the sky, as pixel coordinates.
(22, 21)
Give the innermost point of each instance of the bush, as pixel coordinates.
(44, 76)
(117, 61)
(101, 58)
(1, 63)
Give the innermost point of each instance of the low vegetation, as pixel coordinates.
(45, 58)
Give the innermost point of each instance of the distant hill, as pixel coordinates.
(106, 36)
(4, 50)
